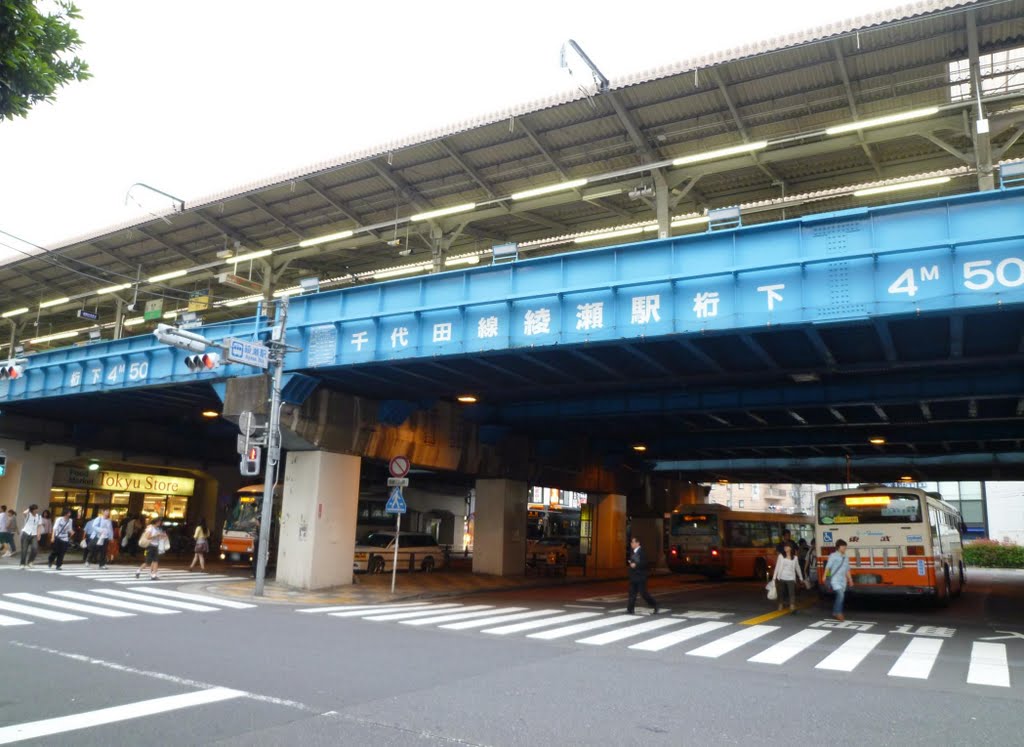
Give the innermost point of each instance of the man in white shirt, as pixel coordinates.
(6, 536)
(30, 536)
(101, 531)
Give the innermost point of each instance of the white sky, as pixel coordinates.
(198, 96)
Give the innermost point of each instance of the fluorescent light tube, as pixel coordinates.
(526, 193)
(325, 239)
(247, 257)
(900, 187)
(56, 336)
(399, 271)
(168, 276)
(464, 208)
(53, 302)
(113, 289)
(14, 312)
(720, 153)
(879, 121)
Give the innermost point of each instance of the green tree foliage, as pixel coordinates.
(36, 53)
(989, 554)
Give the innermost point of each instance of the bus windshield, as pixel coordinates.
(684, 524)
(874, 508)
(244, 515)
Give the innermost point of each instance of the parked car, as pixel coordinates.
(416, 551)
(550, 551)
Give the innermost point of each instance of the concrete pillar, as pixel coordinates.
(318, 519)
(499, 541)
(30, 474)
(609, 539)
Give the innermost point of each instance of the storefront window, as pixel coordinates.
(176, 506)
(154, 505)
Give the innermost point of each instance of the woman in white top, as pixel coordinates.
(787, 571)
(154, 533)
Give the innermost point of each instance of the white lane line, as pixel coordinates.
(847, 657)
(633, 630)
(6, 621)
(917, 658)
(165, 580)
(677, 636)
(62, 724)
(785, 650)
(988, 665)
(190, 606)
(411, 614)
(483, 611)
(732, 641)
(195, 598)
(379, 610)
(341, 608)
(503, 618)
(116, 603)
(563, 632)
(65, 604)
(33, 612)
(531, 624)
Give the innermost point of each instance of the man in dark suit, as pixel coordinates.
(638, 577)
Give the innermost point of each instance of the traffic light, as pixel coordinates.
(11, 370)
(203, 362)
(250, 464)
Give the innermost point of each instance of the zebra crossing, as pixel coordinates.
(26, 608)
(760, 644)
(126, 575)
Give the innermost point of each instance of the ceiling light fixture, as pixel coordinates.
(56, 336)
(711, 155)
(876, 440)
(399, 271)
(324, 239)
(615, 234)
(466, 399)
(639, 447)
(246, 257)
(879, 121)
(538, 191)
(698, 221)
(53, 302)
(113, 289)
(472, 259)
(899, 187)
(168, 276)
(431, 214)
(134, 321)
(14, 312)
(211, 414)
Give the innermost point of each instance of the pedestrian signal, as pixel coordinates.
(250, 464)
(12, 370)
(203, 362)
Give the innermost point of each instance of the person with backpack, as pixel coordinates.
(152, 537)
(837, 577)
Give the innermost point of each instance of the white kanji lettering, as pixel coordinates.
(645, 309)
(706, 304)
(929, 630)
(847, 625)
(487, 327)
(443, 332)
(400, 337)
(359, 339)
(773, 293)
(590, 315)
(76, 378)
(537, 322)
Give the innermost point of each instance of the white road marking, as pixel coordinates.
(633, 630)
(33, 612)
(732, 641)
(159, 602)
(503, 618)
(677, 636)
(65, 604)
(116, 603)
(6, 621)
(410, 614)
(383, 609)
(604, 622)
(341, 608)
(482, 611)
(531, 624)
(917, 658)
(847, 657)
(785, 650)
(62, 724)
(988, 665)
(194, 598)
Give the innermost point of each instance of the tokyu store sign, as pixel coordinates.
(122, 482)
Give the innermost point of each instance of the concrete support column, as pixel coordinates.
(609, 538)
(661, 195)
(651, 535)
(499, 541)
(318, 519)
(30, 474)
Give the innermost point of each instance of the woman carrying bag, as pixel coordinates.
(202, 538)
(787, 571)
(153, 537)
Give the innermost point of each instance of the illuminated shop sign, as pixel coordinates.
(123, 482)
(555, 499)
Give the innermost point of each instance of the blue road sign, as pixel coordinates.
(396, 503)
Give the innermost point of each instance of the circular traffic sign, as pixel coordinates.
(399, 466)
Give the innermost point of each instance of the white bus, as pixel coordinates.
(899, 540)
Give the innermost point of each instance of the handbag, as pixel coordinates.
(144, 540)
(773, 593)
(163, 545)
(83, 544)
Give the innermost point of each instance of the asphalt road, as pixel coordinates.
(531, 667)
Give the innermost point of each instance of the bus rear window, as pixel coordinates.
(691, 524)
(875, 508)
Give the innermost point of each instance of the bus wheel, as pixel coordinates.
(376, 564)
(427, 565)
(947, 595)
(760, 569)
(962, 579)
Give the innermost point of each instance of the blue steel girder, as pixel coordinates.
(939, 255)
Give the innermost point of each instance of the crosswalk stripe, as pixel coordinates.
(531, 624)
(503, 618)
(34, 612)
(410, 614)
(785, 650)
(563, 632)
(989, 665)
(116, 603)
(65, 604)
(633, 630)
(677, 636)
(847, 657)
(481, 610)
(917, 659)
(6, 621)
(194, 598)
(382, 609)
(190, 606)
(342, 607)
(732, 641)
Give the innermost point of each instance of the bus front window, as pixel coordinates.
(890, 508)
(244, 515)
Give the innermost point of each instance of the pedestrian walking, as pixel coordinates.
(46, 529)
(30, 530)
(151, 538)
(7, 532)
(202, 538)
(787, 571)
(837, 577)
(63, 530)
(87, 539)
(101, 533)
(638, 577)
